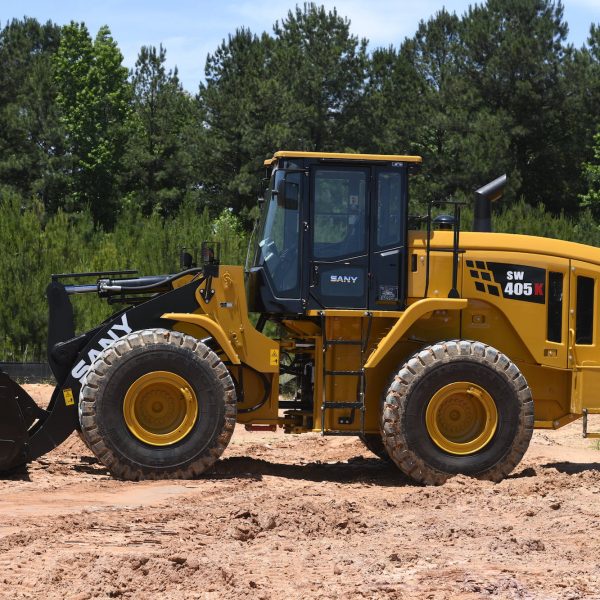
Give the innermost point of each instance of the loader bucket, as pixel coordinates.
(17, 414)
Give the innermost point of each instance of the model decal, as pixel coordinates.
(510, 281)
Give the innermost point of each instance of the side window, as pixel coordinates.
(584, 326)
(389, 215)
(555, 306)
(339, 213)
(286, 220)
(279, 247)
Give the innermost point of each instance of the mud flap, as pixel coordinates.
(17, 414)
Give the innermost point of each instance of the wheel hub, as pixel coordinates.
(461, 418)
(160, 408)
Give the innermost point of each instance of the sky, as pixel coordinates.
(189, 29)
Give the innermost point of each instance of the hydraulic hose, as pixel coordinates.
(139, 285)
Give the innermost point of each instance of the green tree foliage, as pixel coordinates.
(393, 102)
(36, 245)
(517, 59)
(32, 150)
(160, 166)
(26, 262)
(321, 68)
(94, 96)
(494, 90)
(591, 171)
(590, 63)
(462, 139)
(303, 88)
(235, 101)
(104, 169)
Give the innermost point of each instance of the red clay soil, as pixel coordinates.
(288, 517)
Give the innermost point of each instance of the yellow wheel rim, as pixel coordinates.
(461, 418)
(160, 408)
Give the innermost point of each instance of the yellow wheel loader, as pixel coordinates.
(440, 349)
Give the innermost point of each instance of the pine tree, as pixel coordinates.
(94, 96)
(160, 164)
(514, 50)
(591, 172)
(238, 102)
(321, 69)
(32, 149)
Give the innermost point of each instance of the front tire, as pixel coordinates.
(457, 407)
(157, 404)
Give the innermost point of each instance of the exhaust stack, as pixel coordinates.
(484, 196)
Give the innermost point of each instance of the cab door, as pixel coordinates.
(339, 237)
(584, 338)
(388, 239)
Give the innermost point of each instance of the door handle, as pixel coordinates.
(571, 348)
(314, 275)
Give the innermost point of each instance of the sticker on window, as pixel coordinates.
(388, 292)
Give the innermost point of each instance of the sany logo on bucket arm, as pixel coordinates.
(116, 332)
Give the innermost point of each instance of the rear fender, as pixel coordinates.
(410, 316)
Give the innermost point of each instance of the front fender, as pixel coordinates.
(212, 327)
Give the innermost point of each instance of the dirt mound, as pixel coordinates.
(285, 517)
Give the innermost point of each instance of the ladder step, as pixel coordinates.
(355, 373)
(362, 345)
(327, 405)
(586, 433)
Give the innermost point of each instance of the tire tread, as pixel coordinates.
(97, 377)
(414, 370)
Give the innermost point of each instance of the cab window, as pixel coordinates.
(389, 215)
(584, 327)
(279, 240)
(339, 213)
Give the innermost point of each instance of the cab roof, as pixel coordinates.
(342, 156)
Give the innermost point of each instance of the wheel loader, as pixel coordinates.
(440, 349)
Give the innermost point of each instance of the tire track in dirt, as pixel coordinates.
(304, 517)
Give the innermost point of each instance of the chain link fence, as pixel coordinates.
(30, 372)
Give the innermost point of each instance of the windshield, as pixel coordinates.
(278, 239)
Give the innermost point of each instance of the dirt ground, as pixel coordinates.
(288, 517)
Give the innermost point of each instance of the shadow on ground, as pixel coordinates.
(573, 468)
(361, 470)
(370, 471)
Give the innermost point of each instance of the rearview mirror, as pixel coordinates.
(288, 194)
(261, 192)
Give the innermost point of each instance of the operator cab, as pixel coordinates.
(332, 233)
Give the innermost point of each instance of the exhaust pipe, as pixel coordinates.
(484, 196)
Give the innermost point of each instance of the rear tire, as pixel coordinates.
(457, 407)
(157, 404)
(374, 443)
